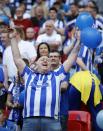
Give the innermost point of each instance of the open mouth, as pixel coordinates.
(45, 65)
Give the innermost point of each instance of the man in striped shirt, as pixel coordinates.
(42, 89)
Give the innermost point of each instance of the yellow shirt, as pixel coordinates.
(82, 81)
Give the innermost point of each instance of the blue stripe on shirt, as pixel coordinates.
(32, 98)
(43, 96)
(27, 83)
(53, 83)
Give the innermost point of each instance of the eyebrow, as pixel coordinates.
(54, 56)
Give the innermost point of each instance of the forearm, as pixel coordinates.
(72, 57)
(81, 64)
(16, 55)
(68, 49)
(15, 49)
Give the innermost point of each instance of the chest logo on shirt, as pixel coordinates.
(39, 85)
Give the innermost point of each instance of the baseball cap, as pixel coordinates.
(4, 20)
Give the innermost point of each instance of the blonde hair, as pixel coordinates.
(20, 31)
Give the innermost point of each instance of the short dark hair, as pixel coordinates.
(55, 51)
(54, 9)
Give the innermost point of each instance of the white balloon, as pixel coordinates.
(99, 119)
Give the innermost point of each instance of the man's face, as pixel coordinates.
(74, 9)
(39, 12)
(55, 59)
(19, 13)
(53, 15)
(5, 38)
(30, 33)
(3, 27)
(49, 28)
(43, 64)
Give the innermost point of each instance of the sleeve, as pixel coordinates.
(61, 73)
(39, 40)
(10, 88)
(82, 52)
(31, 51)
(58, 38)
(66, 78)
(26, 72)
(61, 25)
(4, 58)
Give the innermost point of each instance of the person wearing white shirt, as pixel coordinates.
(27, 51)
(50, 36)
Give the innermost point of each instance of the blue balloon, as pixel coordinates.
(84, 20)
(21, 97)
(99, 119)
(91, 37)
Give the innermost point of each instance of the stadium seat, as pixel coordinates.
(74, 126)
(79, 121)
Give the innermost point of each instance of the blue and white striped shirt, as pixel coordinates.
(15, 90)
(86, 55)
(42, 96)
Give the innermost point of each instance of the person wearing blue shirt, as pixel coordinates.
(64, 101)
(42, 89)
(14, 120)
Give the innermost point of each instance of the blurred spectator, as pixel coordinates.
(15, 118)
(50, 36)
(62, 9)
(68, 44)
(98, 59)
(3, 90)
(5, 38)
(38, 19)
(50, 3)
(93, 10)
(4, 71)
(55, 59)
(20, 21)
(28, 4)
(25, 14)
(73, 12)
(30, 35)
(43, 50)
(100, 5)
(59, 25)
(4, 25)
(5, 9)
(85, 59)
(42, 4)
(26, 49)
